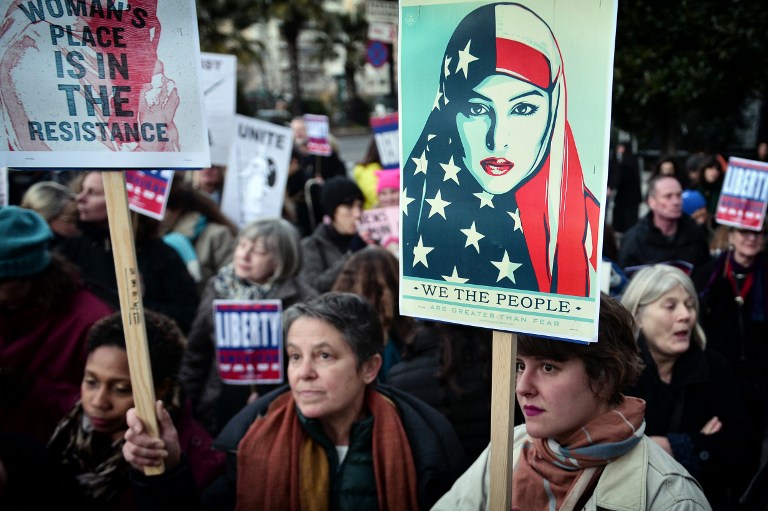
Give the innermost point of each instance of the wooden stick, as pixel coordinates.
(502, 419)
(131, 307)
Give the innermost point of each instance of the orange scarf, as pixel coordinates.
(552, 476)
(279, 466)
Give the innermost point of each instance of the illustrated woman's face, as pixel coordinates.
(502, 128)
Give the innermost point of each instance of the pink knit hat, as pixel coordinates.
(388, 178)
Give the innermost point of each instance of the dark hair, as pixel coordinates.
(613, 363)
(678, 172)
(184, 197)
(350, 314)
(374, 274)
(460, 347)
(165, 342)
(711, 161)
(371, 153)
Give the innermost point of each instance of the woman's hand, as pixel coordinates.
(712, 426)
(142, 450)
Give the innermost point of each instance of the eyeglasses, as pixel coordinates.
(746, 233)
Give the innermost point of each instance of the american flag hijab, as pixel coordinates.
(540, 234)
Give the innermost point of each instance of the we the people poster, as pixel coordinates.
(104, 84)
(504, 162)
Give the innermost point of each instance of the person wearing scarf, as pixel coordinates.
(266, 262)
(695, 409)
(85, 451)
(333, 440)
(583, 444)
(498, 143)
(734, 314)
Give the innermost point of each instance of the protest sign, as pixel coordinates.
(101, 85)
(504, 176)
(249, 341)
(504, 170)
(318, 135)
(382, 225)
(257, 170)
(219, 77)
(386, 133)
(744, 195)
(148, 191)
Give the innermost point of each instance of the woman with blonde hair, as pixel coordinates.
(694, 406)
(56, 204)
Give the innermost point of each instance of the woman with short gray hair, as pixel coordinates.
(265, 265)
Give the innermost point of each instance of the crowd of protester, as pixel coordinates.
(378, 410)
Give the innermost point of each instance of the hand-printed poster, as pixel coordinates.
(220, 93)
(249, 341)
(257, 170)
(386, 133)
(504, 162)
(101, 84)
(318, 135)
(744, 195)
(148, 191)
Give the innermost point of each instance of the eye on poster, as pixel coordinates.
(504, 162)
(101, 84)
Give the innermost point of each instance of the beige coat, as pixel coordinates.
(646, 478)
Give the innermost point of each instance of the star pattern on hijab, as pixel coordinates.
(465, 59)
(472, 237)
(506, 268)
(454, 277)
(438, 205)
(405, 201)
(420, 253)
(421, 163)
(516, 218)
(451, 171)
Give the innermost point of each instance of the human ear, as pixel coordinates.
(370, 368)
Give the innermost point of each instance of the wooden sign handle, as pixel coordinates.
(131, 307)
(502, 419)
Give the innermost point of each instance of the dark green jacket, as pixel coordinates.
(437, 455)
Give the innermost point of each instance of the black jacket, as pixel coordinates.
(702, 386)
(468, 411)
(437, 454)
(166, 284)
(645, 244)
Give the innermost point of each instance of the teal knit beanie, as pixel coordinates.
(24, 237)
